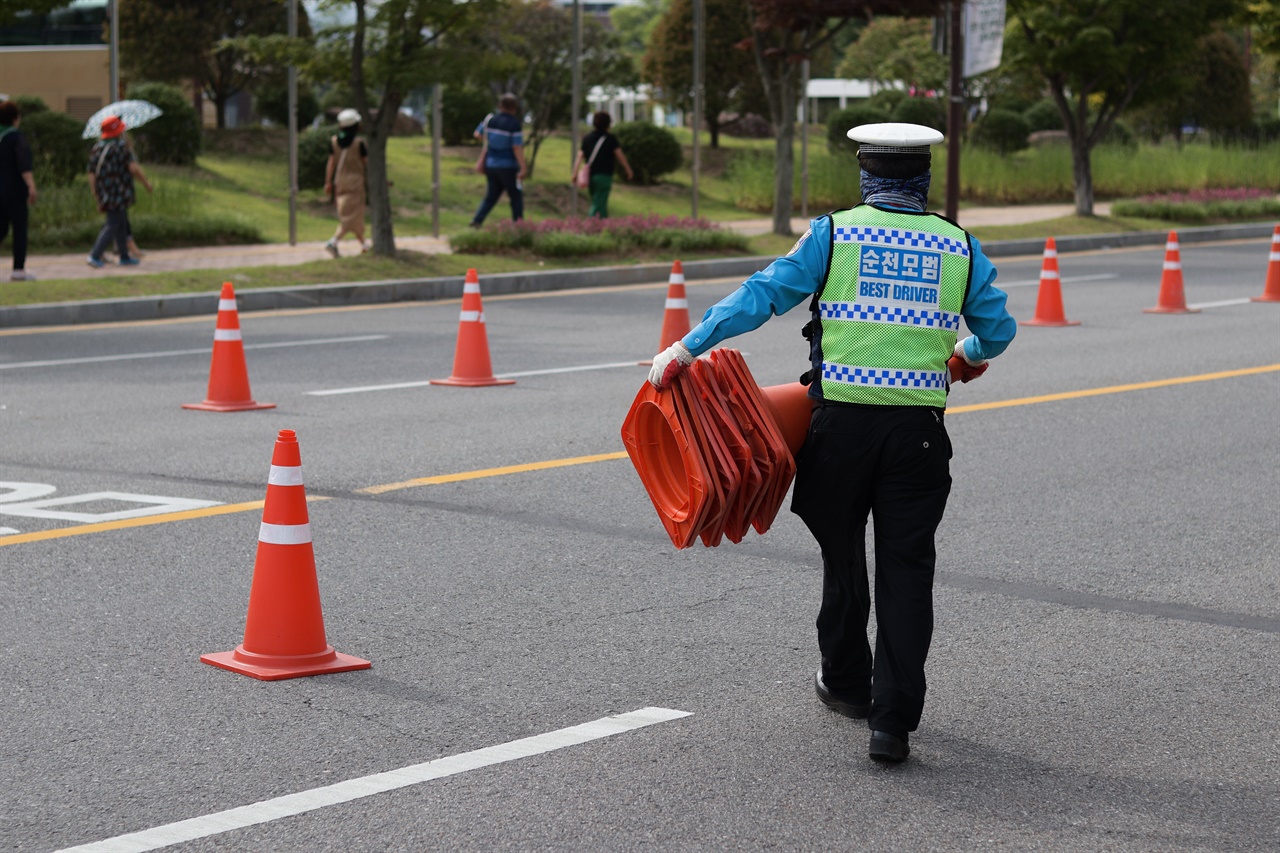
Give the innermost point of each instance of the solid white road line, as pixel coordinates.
(203, 351)
(1065, 280)
(1220, 304)
(366, 786)
(419, 384)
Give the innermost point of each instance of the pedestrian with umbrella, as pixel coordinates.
(134, 113)
(112, 168)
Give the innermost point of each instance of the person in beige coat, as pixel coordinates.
(344, 179)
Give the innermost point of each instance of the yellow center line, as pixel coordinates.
(480, 474)
(1113, 389)
(143, 521)
(490, 472)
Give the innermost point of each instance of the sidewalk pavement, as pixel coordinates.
(281, 254)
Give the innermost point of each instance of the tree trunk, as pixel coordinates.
(783, 107)
(1082, 174)
(220, 109)
(384, 239)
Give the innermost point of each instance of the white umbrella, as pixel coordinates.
(134, 114)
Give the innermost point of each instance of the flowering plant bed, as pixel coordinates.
(579, 236)
(1208, 205)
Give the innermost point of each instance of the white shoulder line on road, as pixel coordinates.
(378, 783)
(360, 389)
(202, 351)
(1069, 279)
(1220, 304)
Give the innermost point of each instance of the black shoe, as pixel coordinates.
(888, 747)
(839, 704)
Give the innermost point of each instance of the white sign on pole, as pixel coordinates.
(983, 35)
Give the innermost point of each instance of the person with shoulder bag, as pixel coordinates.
(596, 174)
(345, 181)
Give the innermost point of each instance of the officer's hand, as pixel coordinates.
(968, 369)
(669, 364)
(968, 373)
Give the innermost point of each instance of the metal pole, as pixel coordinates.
(437, 130)
(114, 74)
(293, 130)
(955, 109)
(699, 26)
(576, 130)
(804, 140)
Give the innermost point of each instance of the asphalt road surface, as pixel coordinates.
(549, 673)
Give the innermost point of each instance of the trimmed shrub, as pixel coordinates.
(1043, 115)
(926, 111)
(590, 236)
(31, 105)
(313, 155)
(887, 100)
(652, 151)
(460, 111)
(841, 121)
(272, 103)
(1004, 131)
(174, 137)
(58, 153)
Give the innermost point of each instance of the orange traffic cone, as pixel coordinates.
(1172, 299)
(1049, 301)
(471, 357)
(1271, 292)
(228, 377)
(284, 632)
(675, 319)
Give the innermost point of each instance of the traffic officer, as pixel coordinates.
(887, 285)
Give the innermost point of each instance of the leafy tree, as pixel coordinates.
(783, 34)
(730, 83)
(9, 12)
(892, 49)
(171, 41)
(634, 23)
(1263, 16)
(1101, 57)
(174, 136)
(530, 50)
(391, 48)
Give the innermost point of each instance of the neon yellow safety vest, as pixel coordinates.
(889, 311)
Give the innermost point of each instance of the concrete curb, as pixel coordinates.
(450, 287)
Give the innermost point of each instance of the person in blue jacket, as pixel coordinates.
(887, 285)
(504, 165)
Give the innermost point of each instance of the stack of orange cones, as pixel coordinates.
(1172, 299)
(284, 632)
(675, 317)
(710, 452)
(1049, 310)
(228, 376)
(1271, 291)
(471, 366)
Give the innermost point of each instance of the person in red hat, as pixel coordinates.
(112, 168)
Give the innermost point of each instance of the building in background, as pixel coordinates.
(60, 56)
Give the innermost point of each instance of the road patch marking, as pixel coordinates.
(58, 362)
(289, 805)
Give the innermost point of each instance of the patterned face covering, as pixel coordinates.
(907, 193)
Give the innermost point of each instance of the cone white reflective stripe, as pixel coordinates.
(1051, 253)
(471, 287)
(1173, 265)
(226, 334)
(1048, 274)
(472, 316)
(676, 278)
(677, 303)
(285, 475)
(1171, 247)
(226, 305)
(285, 534)
(1274, 256)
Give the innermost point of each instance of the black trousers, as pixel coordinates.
(15, 214)
(894, 465)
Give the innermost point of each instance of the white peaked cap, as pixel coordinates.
(348, 117)
(894, 138)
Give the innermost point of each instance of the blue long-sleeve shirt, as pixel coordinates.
(795, 277)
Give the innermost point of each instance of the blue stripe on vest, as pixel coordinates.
(899, 237)
(932, 318)
(884, 377)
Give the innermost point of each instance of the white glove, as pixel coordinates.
(669, 364)
(959, 350)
